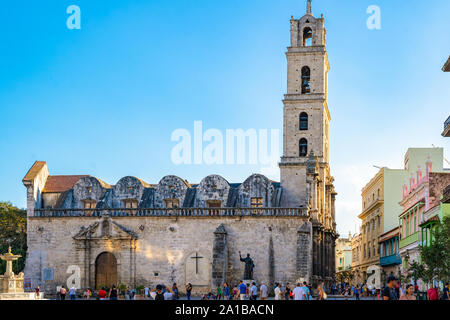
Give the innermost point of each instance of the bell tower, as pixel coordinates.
(306, 116)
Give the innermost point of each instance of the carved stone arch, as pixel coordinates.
(170, 188)
(88, 189)
(212, 188)
(128, 189)
(257, 186)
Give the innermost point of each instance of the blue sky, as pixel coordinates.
(105, 99)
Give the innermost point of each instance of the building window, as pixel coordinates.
(172, 203)
(307, 37)
(379, 222)
(214, 203)
(130, 203)
(306, 78)
(256, 202)
(303, 146)
(303, 121)
(89, 204)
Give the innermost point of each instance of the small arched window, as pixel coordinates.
(307, 37)
(306, 78)
(303, 146)
(303, 121)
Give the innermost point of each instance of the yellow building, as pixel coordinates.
(343, 254)
(372, 222)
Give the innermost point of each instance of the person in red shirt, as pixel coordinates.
(432, 293)
(102, 293)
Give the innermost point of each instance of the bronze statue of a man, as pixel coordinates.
(249, 265)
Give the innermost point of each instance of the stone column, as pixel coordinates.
(271, 265)
(220, 257)
(304, 252)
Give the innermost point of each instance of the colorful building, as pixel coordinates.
(422, 210)
(343, 254)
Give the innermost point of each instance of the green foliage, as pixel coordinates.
(13, 232)
(140, 289)
(436, 257)
(122, 288)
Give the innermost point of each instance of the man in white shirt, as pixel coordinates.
(263, 292)
(299, 293)
(278, 292)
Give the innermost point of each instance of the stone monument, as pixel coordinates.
(249, 265)
(11, 285)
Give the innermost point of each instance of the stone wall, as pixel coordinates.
(165, 249)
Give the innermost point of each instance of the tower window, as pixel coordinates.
(306, 78)
(303, 121)
(256, 202)
(307, 37)
(303, 146)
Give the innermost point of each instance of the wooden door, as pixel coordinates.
(105, 270)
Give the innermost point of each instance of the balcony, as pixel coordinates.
(408, 240)
(446, 132)
(175, 212)
(390, 260)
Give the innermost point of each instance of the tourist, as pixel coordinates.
(218, 292)
(113, 293)
(175, 292)
(133, 294)
(445, 293)
(299, 293)
(236, 293)
(333, 289)
(253, 292)
(188, 291)
(432, 293)
(168, 293)
(62, 293)
(356, 292)
(102, 293)
(226, 291)
(287, 292)
(157, 294)
(408, 293)
(128, 293)
(389, 292)
(278, 292)
(242, 290)
(263, 292)
(307, 291)
(73, 293)
(146, 292)
(322, 293)
(37, 292)
(87, 294)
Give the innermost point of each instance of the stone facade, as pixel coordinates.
(174, 231)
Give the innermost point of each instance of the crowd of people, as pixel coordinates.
(391, 291)
(252, 291)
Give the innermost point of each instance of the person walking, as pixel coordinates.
(408, 293)
(299, 293)
(73, 293)
(253, 292)
(157, 294)
(37, 292)
(188, 291)
(175, 292)
(102, 293)
(307, 291)
(287, 291)
(322, 294)
(146, 292)
(389, 292)
(62, 293)
(278, 292)
(226, 291)
(445, 293)
(263, 291)
(242, 290)
(432, 293)
(219, 292)
(113, 293)
(356, 292)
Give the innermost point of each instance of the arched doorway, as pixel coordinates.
(105, 270)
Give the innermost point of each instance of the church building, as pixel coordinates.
(87, 232)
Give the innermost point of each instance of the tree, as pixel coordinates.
(436, 256)
(13, 232)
